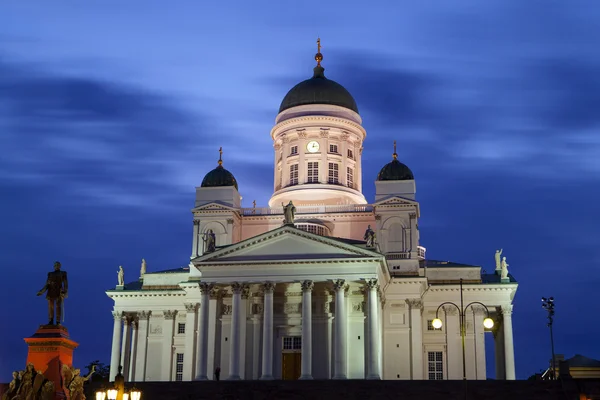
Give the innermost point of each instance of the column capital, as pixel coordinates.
(339, 284)
(371, 284)
(450, 310)
(307, 286)
(134, 323)
(237, 287)
(144, 314)
(126, 319)
(277, 146)
(205, 287)
(215, 293)
(196, 222)
(507, 310)
(415, 303)
(169, 314)
(245, 292)
(117, 315)
(301, 133)
(191, 307)
(268, 287)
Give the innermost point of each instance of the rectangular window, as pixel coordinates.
(294, 174)
(179, 367)
(333, 173)
(430, 326)
(180, 328)
(435, 365)
(293, 150)
(292, 343)
(350, 154)
(333, 148)
(350, 177)
(313, 172)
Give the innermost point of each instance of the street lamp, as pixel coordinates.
(548, 305)
(112, 394)
(487, 322)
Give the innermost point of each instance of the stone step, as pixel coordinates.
(352, 389)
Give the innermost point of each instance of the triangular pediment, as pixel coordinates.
(214, 206)
(396, 200)
(286, 244)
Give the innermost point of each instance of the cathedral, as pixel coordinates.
(321, 283)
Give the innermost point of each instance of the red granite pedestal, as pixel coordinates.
(49, 349)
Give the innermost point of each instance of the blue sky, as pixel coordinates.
(111, 113)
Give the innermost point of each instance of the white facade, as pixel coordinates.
(311, 301)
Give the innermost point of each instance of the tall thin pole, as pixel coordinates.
(462, 331)
(553, 359)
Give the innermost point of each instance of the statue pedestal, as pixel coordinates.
(49, 348)
(505, 280)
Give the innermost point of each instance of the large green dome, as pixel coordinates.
(318, 90)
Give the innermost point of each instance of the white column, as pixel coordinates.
(479, 345)
(234, 351)
(341, 331)
(134, 343)
(126, 346)
(195, 239)
(115, 354)
(509, 351)
(190, 336)
(306, 368)
(372, 326)
(453, 344)
(202, 346)
(267, 347)
(167, 356)
(323, 150)
(413, 235)
(499, 349)
(416, 337)
(142, 346)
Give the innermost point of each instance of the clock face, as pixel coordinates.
(312, 146)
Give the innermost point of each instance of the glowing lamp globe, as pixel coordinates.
(112, 394)
(488, 323)
(136, 394)
(436, 323)
(100, 395)
(125, 396)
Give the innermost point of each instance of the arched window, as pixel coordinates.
(314, 228)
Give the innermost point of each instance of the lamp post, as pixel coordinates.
(548, 305)
(487, 322)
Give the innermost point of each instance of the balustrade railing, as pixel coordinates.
(319, 209)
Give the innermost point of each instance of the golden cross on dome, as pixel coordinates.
(318, 56)
(395, 155)
(220, 155)
(254, 203)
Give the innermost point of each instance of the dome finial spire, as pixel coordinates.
(395, 155)
(220, 156)
(318, 56)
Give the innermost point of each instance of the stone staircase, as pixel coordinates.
(361, 389)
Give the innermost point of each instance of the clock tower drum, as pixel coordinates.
(317, 139)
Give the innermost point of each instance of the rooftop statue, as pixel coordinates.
(504, 269)
(370, 237)
(121, 276)
(497, 257)
(289, 213)
(56, 289)
(143, 268)
(210, 241)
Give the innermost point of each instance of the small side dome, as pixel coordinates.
(219, 176)
(395, 170)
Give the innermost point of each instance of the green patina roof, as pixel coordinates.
(395, 171)
(219, 177)
(318, 90)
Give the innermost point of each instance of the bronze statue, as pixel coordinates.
(56, 289)
(29, 384)
(370, 237)
(209, 241)
(73, 381)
